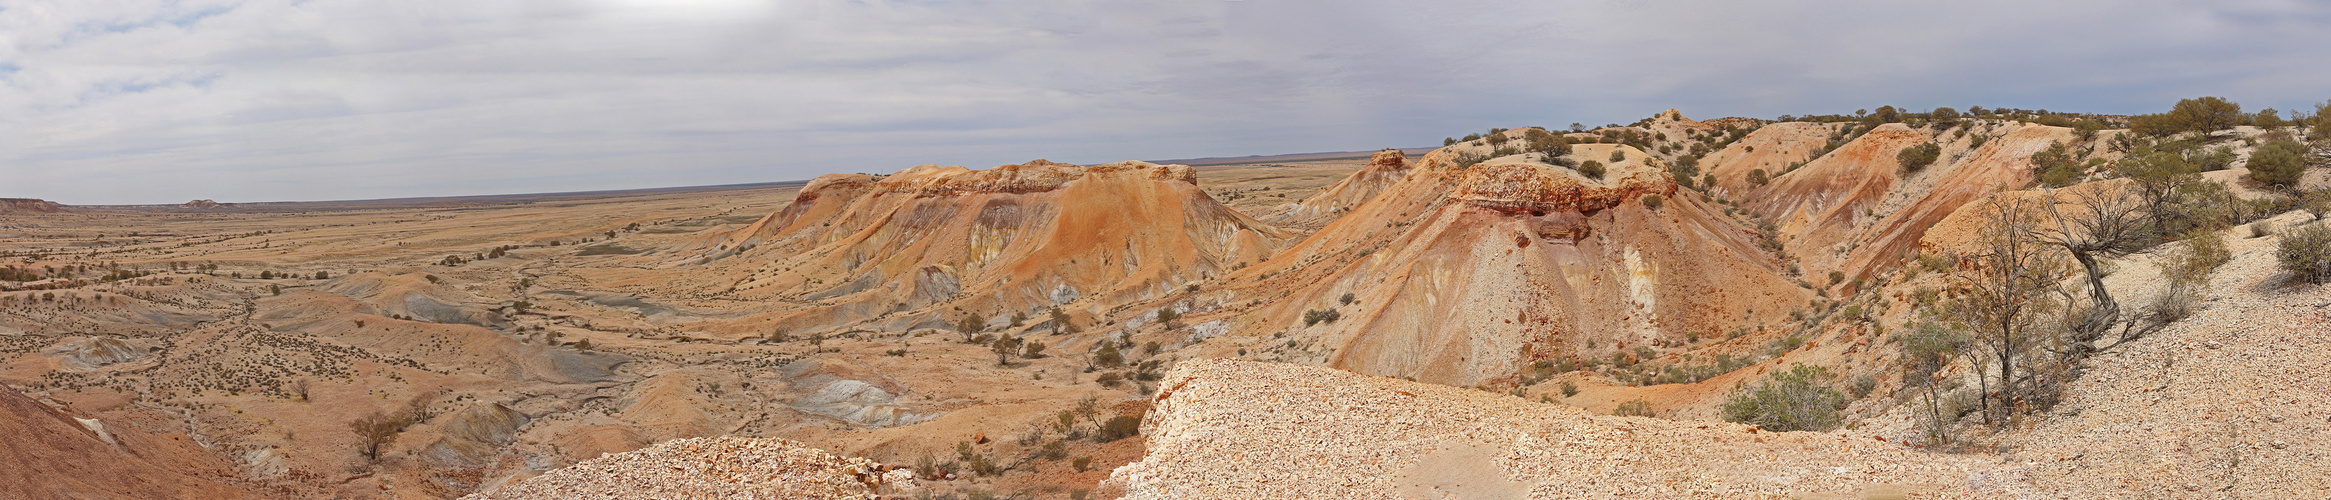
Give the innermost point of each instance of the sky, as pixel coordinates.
(155, 101)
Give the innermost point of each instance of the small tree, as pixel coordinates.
(970, 326)
(1032, 349)
(2278, 163)
(1170, 318)
(376, 430)
(1887, 114)
(1005, 348)
(1758, 177)
(1945, 117)
(1060, 321)
(1916, 158)
(2003, 297)
(2205, 114)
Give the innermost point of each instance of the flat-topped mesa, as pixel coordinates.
(29, 205)
(1032, 177)
(1530, 187)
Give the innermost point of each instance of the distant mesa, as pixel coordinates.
(204, 204)
(29, 206)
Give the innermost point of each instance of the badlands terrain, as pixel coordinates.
(1522, 313)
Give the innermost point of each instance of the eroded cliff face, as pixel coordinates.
(1854, 210)
(1465, 274)
(1012, 239)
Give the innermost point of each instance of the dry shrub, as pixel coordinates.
(2306, 253)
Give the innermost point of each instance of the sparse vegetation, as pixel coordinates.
(1634, 408)
(1317, 316)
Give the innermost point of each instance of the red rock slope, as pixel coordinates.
(49, 454)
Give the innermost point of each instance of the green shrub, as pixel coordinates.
(2306, 253)
(1569, 388)
(1592, 169)
(2278, 163)
(1618, 156)
(1758, 177)
(1915, 158)
(1653, 201)
(1120, 427)
(1792, 400)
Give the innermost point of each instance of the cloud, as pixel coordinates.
(156, 101)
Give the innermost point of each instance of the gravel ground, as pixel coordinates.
(2233, 402)
(1236, 429)
(721, 467)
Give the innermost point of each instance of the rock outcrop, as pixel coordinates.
(1384, 169)
(722, 467)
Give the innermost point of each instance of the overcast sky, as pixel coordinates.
(138, 101)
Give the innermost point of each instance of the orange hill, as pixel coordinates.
(1465, 275)
(1015, 238)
